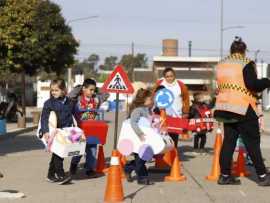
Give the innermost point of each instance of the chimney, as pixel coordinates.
(170, 47)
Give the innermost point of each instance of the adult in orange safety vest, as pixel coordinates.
(238, 86)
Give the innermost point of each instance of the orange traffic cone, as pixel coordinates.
(164, 160)
(239, 168)
(122, 165)
(101, 165)
(175, 174)
(123, 160)
(215, 172)
(114, 189)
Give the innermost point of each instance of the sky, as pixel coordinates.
(147, 22)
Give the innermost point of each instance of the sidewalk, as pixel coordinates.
(12, 128)
(266, 125)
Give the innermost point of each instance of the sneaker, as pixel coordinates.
(73, 169)
(64, 180)
(265, 181)
(91, 174)
(203, 152)
(144, 181)
(195, 152)
(230, 180)
(52, 179)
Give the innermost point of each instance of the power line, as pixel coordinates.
(150, 46)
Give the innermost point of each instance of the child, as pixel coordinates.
(85, 110)
(160, 114)
(140, 107)
(62, 106)
(200, 109)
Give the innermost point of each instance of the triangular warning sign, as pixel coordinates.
(118, 82)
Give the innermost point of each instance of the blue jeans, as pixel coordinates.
(90, 158)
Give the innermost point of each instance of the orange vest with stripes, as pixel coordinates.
(233, 96)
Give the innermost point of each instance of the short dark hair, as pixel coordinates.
(238, 46)
(88, 82)
(60, 84)
(166, 70)
(160, 87)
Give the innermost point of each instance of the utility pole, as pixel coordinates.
(130, 75)
(70, 69)
(221, 29)
(256, 55)
(132, 63)
(189, 48)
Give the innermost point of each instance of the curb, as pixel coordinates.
(17, 132)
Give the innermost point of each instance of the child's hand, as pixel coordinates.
(142, 137)
(83, 138)
(46, 136)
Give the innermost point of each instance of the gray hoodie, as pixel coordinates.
(135, 116)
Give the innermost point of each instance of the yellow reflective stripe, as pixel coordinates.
(229, 86)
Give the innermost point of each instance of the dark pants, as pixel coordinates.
(249, 131)
(90, 158)
(56, 166)
(139, 166)
(199, 137)
(175, 138)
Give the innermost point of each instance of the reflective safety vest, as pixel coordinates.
(233, 96)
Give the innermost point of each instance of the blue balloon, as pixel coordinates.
(164, 98)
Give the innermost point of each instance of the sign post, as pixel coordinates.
(117, 82)
(116, 120)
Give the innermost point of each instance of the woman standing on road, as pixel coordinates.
(180, 106)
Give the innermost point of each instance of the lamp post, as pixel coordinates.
(256, 55)
(222, 28)
(68, 23)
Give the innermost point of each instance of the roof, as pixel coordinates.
(186, 59)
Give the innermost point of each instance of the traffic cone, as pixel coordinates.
(239, 168)
(164, 160)
(121, 159)
(122, 164)
(101, 164)
(215, 172)
(175, 174)
(114, 189)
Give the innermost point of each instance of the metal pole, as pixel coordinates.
(132, 64)
(256, 55)
(221, 29)
(189, 48)
(127, 110)
(116, 121)
(69, 79)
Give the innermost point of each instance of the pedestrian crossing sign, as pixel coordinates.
(118, 82)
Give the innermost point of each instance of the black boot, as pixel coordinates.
(228, 180)
(145, 181)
